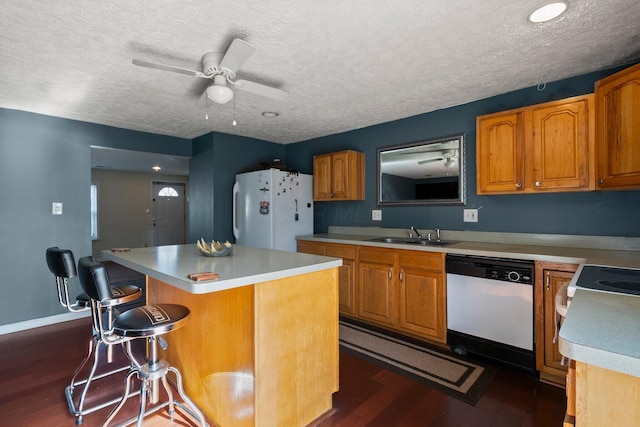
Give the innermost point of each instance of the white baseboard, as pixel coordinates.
(43, 321)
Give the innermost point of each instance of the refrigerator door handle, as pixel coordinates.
(234, 219)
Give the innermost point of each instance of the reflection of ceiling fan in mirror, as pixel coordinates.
(223, 74)
(449, 157)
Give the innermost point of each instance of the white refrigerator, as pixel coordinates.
(271, 207)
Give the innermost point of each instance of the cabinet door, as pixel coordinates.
(618, 130)
(322, 177)
(549, 277)
(561, 147)
(339, 176)
(553, 280)
(421, 302)
(376, 293)
(500, 153)
(346, 276)
(346, 287)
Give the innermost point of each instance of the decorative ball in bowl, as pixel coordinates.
(214, 248)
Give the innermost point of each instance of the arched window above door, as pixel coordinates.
(168, 192)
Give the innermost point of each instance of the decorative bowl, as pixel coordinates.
(221, 249)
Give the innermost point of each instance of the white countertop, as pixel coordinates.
(245, 265)
(603, 329)
(600, 328)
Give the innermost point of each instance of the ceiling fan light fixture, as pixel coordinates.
(219, 92)
(548, 12)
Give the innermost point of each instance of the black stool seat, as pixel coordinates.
(150, 320)
(120, 294)
(83, 300)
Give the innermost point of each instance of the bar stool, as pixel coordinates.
(148, 322)
(61, 263)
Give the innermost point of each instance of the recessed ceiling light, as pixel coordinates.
(156, 168)
(548, 12)
(270, 114)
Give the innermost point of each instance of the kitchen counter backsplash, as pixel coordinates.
(618, 243)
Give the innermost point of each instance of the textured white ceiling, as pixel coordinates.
(346, 64)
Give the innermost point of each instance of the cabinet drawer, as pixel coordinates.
(315, 248)
(426, 260)
(376, 255)
(341, 251)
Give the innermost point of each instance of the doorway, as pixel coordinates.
(168, 203)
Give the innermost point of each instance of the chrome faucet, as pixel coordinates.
(413, 230)
(437, 231)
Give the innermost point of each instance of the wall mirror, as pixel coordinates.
(427, 172)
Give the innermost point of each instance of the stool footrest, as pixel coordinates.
(79, 414)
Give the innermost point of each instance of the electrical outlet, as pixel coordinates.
(376, 215)
(471, 215)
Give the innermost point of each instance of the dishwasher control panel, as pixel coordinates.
(509, 275)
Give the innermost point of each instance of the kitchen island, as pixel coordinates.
(261, 345)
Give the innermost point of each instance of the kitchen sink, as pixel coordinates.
(408, 241)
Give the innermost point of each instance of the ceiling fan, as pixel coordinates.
(448, 156)
(223, 74)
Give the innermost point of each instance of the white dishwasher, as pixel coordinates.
(490, 308)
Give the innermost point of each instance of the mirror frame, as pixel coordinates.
(462, 181)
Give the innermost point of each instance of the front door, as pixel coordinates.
(168, 206)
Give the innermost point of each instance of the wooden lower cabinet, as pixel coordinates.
(400, 290)
(346, 273)
(377, 286)
(403, 290)
(422, 295)
(549, 278)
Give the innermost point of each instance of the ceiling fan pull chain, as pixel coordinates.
(234, 123)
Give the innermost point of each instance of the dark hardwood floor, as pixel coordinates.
(36, 365)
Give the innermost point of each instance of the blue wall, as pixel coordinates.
(217, 158)
(43, 160)
(614, 213)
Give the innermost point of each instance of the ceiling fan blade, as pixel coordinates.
(239, 51)
(437, 159)
(262, 90)
(168, 68)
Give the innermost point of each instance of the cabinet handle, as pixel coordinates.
(600, 180)
(518, 185)
(547, 281)
(390, 273)
(538, 183)
(401, 272)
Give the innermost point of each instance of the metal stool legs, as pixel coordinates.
(151, 374)
(79, 410)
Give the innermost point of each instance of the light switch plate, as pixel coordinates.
(376, 215)
(56, 208)
(471, 215)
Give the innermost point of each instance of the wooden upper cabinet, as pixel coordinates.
(500, 153)
(562, 145)
(545, 147)
(618, 130)
(338, 176)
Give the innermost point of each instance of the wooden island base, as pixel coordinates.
(259, 355)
